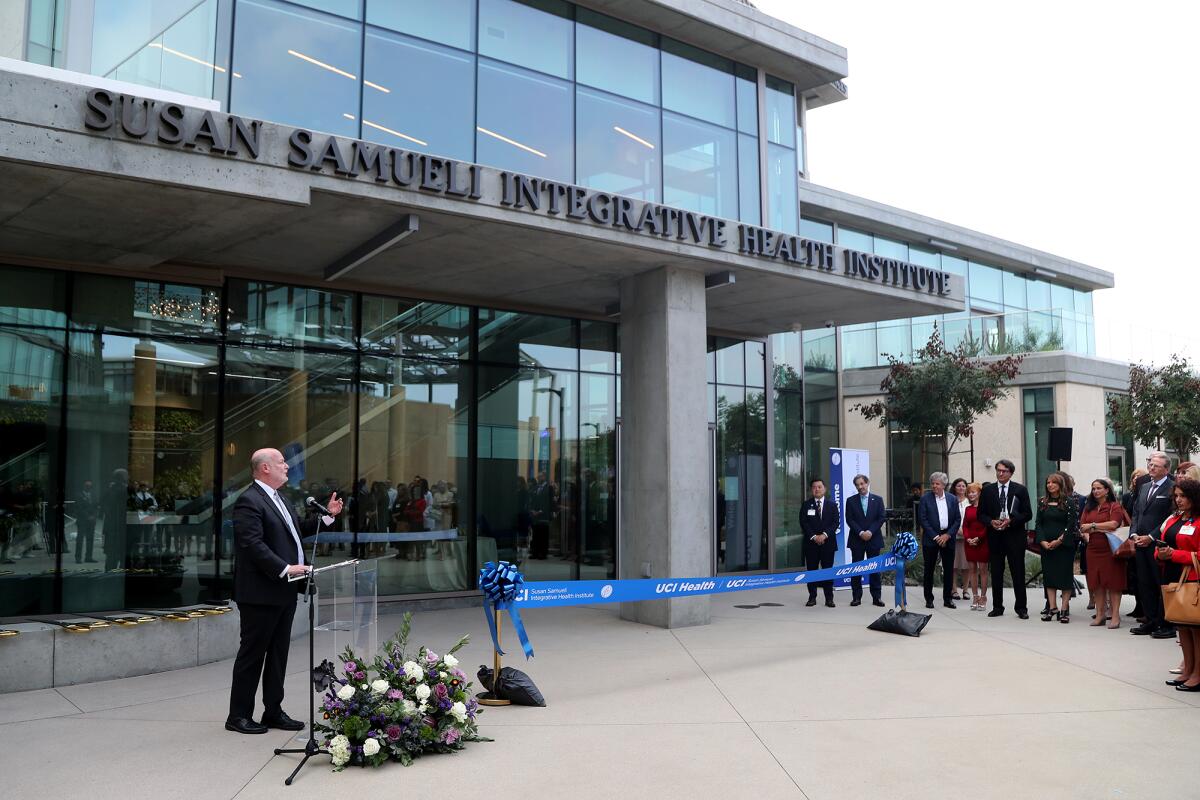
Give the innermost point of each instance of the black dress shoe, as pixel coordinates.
(812, 601)
(929, 604)
(1163, 633)
(244, 725)
(1022, 615)
(949, 604)
(856, 602)
(1178, 682)
(283, 722)
(1183, 687)
(1141, 630)
(996, 612)
(830, 604)
(877, 603)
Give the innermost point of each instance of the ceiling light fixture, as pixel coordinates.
(394, 133)
(237, 74)
(514, 143)
(347, 116)
(322, 65)
(185, 56)
(383, 89)
(636, 138)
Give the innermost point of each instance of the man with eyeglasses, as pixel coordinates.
(1152, 507)
(1004, 509)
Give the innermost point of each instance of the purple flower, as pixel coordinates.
(451, 736)
(350, 667)
(393, 732)
(360, 675)
(458, 673)
(445, 704)
(394, 694)
(441, 691)
(432, 658)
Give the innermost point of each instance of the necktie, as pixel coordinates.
(1004, 496)
(820, 503)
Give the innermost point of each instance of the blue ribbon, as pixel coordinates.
(500, 584)
(904, 549)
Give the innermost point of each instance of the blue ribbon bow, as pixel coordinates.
(500, 584)
(904, 549)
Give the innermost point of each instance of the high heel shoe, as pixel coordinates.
(1064, 617)
(1113, 624)
(1096, 621)
(1049, 615)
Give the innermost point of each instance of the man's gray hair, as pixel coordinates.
(939, 477)
(1160, 454)
(863, 478)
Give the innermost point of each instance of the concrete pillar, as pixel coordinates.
(666, 478)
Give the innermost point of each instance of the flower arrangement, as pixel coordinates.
(399, 707)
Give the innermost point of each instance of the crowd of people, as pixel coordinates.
(1132, 544)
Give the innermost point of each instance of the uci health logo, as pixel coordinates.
(606, 591)
(836, 458)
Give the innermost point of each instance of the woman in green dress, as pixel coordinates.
(1056, 533)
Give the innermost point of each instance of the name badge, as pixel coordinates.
(812, 512)
(1187, 530)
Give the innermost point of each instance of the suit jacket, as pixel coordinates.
(1020, 510)
(857, 522)
(830, 522)
(263, 548)
(930, 523)
(1149, 512)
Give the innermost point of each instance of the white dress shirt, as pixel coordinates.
(287, 517)
(943, 512)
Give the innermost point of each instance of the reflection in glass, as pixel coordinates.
(699, 167)
(141, 417)
(343, 8)
(524, 122)
(815, 230)
(986, 286)
(532, 33)
(296, 67)
(894, 338)
(148, 307)
(698, 84)
(747, 99)
(33, 297)
(854, 240)
(731, 360)
(46, 32)
(597, 495)
(1038, 295)
(858, 346)
(756, 363)
(749, 205)
(155, 45)
(781, 189)
(415, 329)
(274, 313)
(30, 401)
(781, 112)
(616, 57)
(597, 346)
(418, 114)
(411, 505)
(616, 145)
(450, 22)
(890, 248)
(510, 337)
(1014, 292)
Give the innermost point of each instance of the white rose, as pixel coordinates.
(459, 712)
(422, 692)
(409, 706)
(370, 747)
(413, 671)
(345, 693)
(380, 686)
(424, 705)
(441, 675)
(365, 687)
(339, 757)
(339, 742)
(451, 661)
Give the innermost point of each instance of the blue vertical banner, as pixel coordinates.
(844, 465)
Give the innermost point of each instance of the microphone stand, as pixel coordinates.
(311, 748)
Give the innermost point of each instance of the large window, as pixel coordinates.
(127, 428)
(617, 145)
(699, 166)
(1038, 408)
(782, 161)
(524, 122)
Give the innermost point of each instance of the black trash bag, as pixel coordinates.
(906, 623)
(515, 686)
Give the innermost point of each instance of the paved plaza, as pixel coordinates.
(766, 702)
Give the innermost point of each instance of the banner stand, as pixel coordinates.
(493, 697)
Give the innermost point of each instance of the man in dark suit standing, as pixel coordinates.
(1153, 505)
(864, 520)
(820, 522)
(1004, 509)
(939, 520)
(268, 551)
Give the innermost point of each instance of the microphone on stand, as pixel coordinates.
(311, 502)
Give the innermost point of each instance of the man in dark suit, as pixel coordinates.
(87, 511)
(1152, 507)
(864, 520)
(820, 522)
(268, 551)
(939, 520)
(1004, 509)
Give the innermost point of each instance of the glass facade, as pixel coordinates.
(416, 413)
(1038, 414)
(535, 86)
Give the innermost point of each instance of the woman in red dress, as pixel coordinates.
(1183, 541)
(975, 547)
(1103, 514)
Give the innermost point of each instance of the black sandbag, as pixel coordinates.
(905, 623)
(515, 686)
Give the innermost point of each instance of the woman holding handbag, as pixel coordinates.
(1102, 515)
(1180, 543)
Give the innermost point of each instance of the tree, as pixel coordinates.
(941, 394)
(1163, 405)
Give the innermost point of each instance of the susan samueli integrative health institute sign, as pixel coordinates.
(228, 135)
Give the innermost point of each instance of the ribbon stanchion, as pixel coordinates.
(900, 619)
(501, 584)
(905, 550)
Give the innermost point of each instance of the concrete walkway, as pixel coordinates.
(786, 702)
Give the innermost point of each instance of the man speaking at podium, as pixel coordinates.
(268, 551)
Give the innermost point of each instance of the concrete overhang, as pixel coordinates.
(831, 205)
(745, 34)
(114, 203)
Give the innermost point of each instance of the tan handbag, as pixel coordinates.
(1181, 600)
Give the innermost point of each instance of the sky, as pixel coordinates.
(1071, 127)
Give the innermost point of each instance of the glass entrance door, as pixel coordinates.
(1117, 469)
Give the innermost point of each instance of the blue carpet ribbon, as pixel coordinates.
(500, 584)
